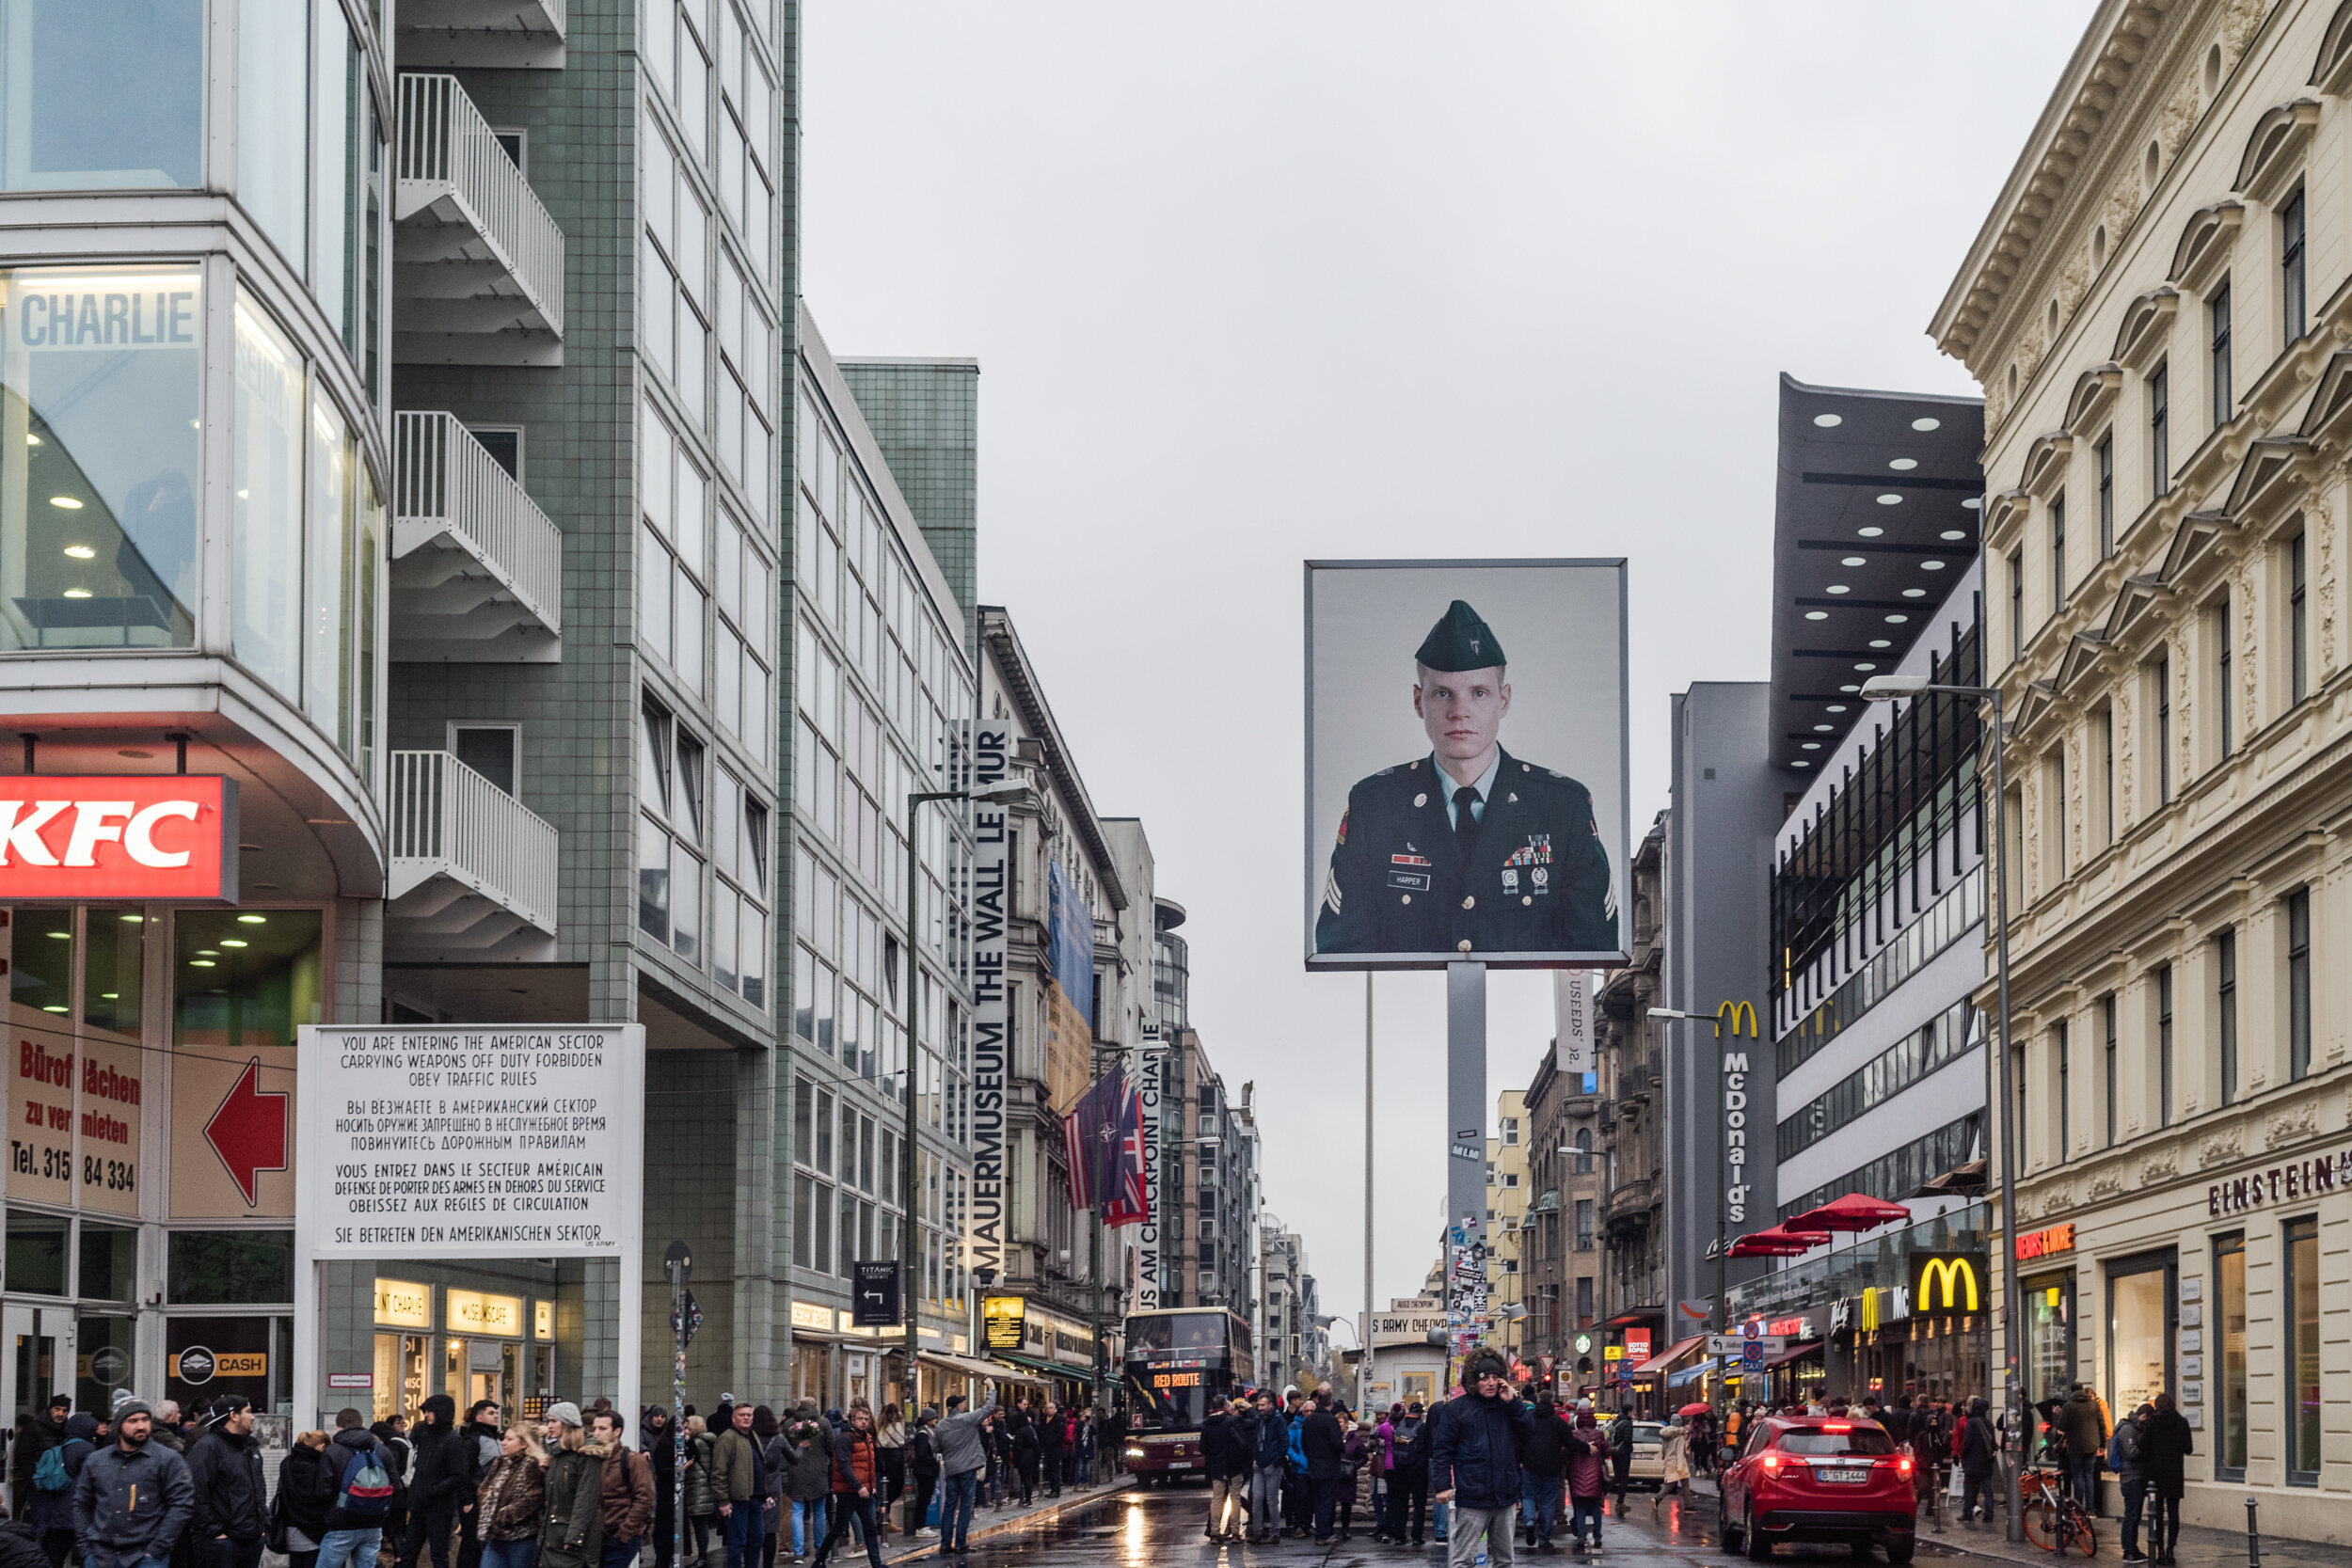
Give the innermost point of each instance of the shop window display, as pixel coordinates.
(101, 94)
(2139, 1330)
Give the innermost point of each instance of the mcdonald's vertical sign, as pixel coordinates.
(1729, 1019)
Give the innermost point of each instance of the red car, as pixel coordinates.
(1819, 1478)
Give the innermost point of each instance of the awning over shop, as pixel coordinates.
(1794, 1353)
(965, 1366)
(1048, 1368)
(1633, 1317)
(1666, 1357)
(1694, 1372)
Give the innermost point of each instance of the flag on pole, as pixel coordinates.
(1092, 1135)
(1125, 1198)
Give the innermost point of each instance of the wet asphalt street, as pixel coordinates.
(1133, 1530)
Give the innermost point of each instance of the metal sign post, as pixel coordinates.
(677, 1263)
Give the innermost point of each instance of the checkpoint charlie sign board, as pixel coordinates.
(505, 1141)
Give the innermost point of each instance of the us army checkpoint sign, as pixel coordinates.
(470, 1142)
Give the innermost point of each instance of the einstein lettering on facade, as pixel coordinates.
(1468, 848)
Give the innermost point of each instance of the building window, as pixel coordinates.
(2291, 292)
(1584, 1152)
(2225, 1001)
(669, 866)
(2053, 815)
(2160, 676)
(2164, 1046)
(1584, 1300)
(2057, 552)
(2303, 1369)
(2106, 1031)
(1510, 1131)
(2217, 627)
(1584, 1224)
(2300, 983)
(2299, 660)
(673, 554)
(2017, 1083)
(2107, 774)
(2104, 456)
(2016, 604)
(2160, 431)
(2217, 316)
(2229, 1331)
(2065, 1097)
(103, 94)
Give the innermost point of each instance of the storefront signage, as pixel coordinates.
(1637, 1344)
(2280, 1184)
(1407, 1328)
(199, 1365)
(1001, 1319)
(1573, 1020)
(543, 1320)
(1946, 1282)
(400, 1304)
(1150, 1090)
(992, 895)
(117, 312)
(1729, 1019)
(2042, 1244)
(809, 1315)
(471, 1143)
(472, 1312)
(144, 835)
(1792, 1328)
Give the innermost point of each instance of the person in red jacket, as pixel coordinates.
(856, 1482)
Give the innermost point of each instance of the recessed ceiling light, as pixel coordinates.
(71, 503)
(1852, 560)
(1914, 593)
(1801, 763)
(209, 952)
(1836, 707)
(1823, 729)
(1810, 746)
(200, 963)
(232, 941)
(1880, 643)
(1838, 588)
(1931, 565)
(1816, 615)
(77, 593)
(1865, 668)
(1890, 499)
(107, 996)
(253, 919)
(1903, 465)
(1954, 535)
(134, 919)
(245, 495)
(1850, 689)
(1974, 503)
(1829, 422)
(1926, 424)
(31, 440)
(1897, 620)
(62, 936)
(53, 1009)
(1870, 532)
(136, 755)
(81, 552)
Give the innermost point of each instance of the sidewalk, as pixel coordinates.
(899, 1548)
(2200, 1547)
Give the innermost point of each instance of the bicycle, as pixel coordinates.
(2053, 1519)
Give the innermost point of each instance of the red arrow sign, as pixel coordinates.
(248, 1130)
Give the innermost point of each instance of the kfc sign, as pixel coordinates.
(136, 836)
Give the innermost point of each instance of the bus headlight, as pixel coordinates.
(1134, 1453)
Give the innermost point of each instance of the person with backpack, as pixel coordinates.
(1224, 1452)
(1409, 1477)
(2123, 1459)
(390, 1435)
(1980, 1453)
(856, 1478)
(1620, 1455)
(365, 1487)
(443, 1483)
(131, 1498)
(231, 1497)
(482, 1430)
(35, 1435)
(511, 1501)
(800, 1468)
(1588, 1479)
(922, 1472)
(51, 1480)
(1542, 1462)
(306, 1494)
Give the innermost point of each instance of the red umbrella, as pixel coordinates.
(1700, 1408)
(1853, 1212)
(1779, 1241)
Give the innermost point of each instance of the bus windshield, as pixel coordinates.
(1181, 1366)
(1169, 1398)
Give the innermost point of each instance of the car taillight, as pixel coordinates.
(1903, 1465)
(1772, 1462)
(1837, 1426)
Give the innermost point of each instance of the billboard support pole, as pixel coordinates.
(1363, 1355)
(1466, 1100)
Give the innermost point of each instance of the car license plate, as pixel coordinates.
(1186, 1464)
(1841, 1475)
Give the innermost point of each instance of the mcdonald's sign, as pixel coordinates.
(1732, 1072)
(1730, 1014)
(1946, 1282)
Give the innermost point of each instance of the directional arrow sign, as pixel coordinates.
(1733, 1344)
(247, 1130)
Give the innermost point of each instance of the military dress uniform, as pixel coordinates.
(1533, 878)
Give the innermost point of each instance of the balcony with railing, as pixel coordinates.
(473, 870)
(478, 264)
(477, 568)
(496, 34)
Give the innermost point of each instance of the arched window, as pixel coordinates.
(1584, 1152)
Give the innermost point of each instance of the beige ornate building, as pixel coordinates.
(2159, 310)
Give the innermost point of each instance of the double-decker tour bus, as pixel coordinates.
(1183, 1362)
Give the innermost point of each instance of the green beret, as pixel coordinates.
(1459, 640)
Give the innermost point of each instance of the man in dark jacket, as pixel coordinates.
(481, 1429)
(2085, 1426)
(441, 1482)
(1542, 1462)
(1408, 1474)
(2166, 1442)
(1269, 1462)
(1979, 1454)
(231, 1499)
(36, 1437)
(1325, 1444)
(659, 1446)
(628, 1489)
(1620, 1455)
(133, 1498)
(391, 1435)
(1225, 1450)
(355, 1528)
(52, 1511)
(2124, 1448)
(1475, 1461)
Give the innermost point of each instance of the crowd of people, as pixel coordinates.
(154, 1487)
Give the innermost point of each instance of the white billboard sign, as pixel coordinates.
(471, 1141)
(1572, 1019)
(1406, 1328)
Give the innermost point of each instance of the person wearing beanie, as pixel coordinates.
(1475, 1461)
(573, 1533)
(133, 1498)
(231, 1497)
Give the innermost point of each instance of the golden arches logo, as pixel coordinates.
(1736, 1012)
(1950, 1272)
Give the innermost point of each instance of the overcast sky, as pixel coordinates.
(1250, 283)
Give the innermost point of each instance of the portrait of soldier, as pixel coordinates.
(1468, 850)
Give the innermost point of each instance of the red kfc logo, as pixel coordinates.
(138, 836)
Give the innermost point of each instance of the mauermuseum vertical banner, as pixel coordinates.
(506, 1141)
(1467, 785)
(991, 1021)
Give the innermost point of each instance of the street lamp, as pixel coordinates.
(909, 1248)
(1886, 688)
